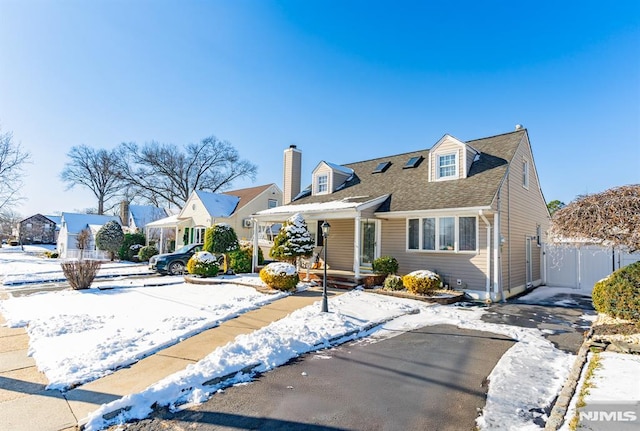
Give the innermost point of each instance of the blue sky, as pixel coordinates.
(343, 80)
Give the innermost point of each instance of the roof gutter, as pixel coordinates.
(433, 212)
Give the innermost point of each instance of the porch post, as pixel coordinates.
(356, 248)
(161, 240)
(254, 257)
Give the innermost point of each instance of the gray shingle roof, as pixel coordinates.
(411, 190)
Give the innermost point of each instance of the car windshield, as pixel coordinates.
(184, 248)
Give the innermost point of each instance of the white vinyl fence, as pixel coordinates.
(581, 267)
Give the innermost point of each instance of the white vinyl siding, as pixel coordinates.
(449, 234)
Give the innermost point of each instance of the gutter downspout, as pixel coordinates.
(488, 284)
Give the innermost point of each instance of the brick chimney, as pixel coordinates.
(124, 213)
(292, 173)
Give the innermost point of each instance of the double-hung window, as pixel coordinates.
(456, 234)
(447, 166)
(323, 184)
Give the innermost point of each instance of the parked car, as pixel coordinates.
(176, 262)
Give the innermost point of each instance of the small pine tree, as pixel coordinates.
(292, 241)
(110, 238)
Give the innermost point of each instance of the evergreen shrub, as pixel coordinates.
(145, 253)
(203, 264)
(385, 265)
(619, 294)
(280, 275)
(131, 245)
(422, 282)
(393, 282)
(240, 260)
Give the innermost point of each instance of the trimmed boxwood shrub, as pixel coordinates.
(393, 282)
(145, 253)
(619, 294)
(385, 265)
(203, 264)
(422, 282)
(280, 275)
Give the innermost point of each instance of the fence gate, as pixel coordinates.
(581, 267)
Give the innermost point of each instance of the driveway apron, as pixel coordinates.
(433, 378)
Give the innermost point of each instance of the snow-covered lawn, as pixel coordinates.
(79, 335)
(18, 267)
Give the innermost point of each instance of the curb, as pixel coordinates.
(559, 410)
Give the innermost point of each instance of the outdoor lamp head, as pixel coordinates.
(325, 229)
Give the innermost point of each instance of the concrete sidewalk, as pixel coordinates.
(26, 405)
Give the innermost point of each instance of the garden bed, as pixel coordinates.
(440, 296)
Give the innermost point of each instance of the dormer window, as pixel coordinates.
(323, 184)
(329, 177)
(447, 165)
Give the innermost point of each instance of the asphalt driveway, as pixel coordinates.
(432, 378)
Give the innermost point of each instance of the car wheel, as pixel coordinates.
(176, 268)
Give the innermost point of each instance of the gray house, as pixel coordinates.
(471, 211)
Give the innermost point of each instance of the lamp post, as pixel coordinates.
(325, 235)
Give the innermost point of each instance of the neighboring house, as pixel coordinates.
(134, 218)
(71, 225)
(37, 229)
(471, 211)
(204, 209)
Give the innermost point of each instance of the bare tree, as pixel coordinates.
(9, 220)
(95, 170)
(82, 241)
(165, 173)
(611, 218)
(12, 160)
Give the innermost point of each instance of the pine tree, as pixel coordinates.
(293, 240)
(110, 237)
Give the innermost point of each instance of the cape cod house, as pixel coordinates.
(204, 209)
(471, 211)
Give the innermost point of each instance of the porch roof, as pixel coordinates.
(171, 221)
(344, 208)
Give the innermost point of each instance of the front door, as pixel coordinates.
(367, 243)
